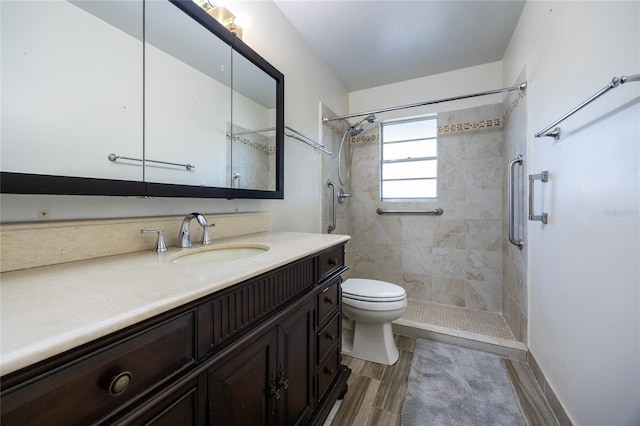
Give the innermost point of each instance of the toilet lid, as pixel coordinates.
(372, 290)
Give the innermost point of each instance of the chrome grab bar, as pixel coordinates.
(512, 239)
(332, 226)
(114, 157)
(436, 212)
(543, 177)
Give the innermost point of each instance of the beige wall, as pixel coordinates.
(453, 259)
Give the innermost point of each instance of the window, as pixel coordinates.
(409, 159)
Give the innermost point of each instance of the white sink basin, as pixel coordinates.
(218, 254)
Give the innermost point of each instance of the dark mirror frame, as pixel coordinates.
(29, 183)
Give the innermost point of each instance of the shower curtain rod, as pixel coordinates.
(521, 86)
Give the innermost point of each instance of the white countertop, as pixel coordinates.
(48, 310)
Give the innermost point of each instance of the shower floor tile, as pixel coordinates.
(451, 317)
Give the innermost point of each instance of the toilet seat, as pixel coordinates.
(367, 290)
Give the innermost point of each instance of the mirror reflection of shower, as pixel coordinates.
(345, 152)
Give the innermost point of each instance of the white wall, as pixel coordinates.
(439, 86)
(308, 81)
(584, 280)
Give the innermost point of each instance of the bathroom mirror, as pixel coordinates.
(67, 78)
(187, 81)
(105, 106)
(253, 142)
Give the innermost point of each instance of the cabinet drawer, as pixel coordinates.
(328, 336)
(87, 389)
(185, 406)
(328, 300)
(330, 261)
(327, 371)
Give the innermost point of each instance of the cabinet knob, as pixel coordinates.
(120, 383)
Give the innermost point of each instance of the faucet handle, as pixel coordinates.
(206, 239)
(160, 245)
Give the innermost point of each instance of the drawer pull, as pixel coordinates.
(329, 371)
(329, 300)
(331, 336)
(333, 262)
(120, 383)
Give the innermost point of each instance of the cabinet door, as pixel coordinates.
(296, 340)
(242, 387)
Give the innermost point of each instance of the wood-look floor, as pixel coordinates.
(376, 392)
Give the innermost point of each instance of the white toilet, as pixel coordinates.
(372, 305)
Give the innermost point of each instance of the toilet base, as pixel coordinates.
(371, 342)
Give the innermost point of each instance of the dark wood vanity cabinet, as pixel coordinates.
(262, 352)
(270, 378)
(101, 382)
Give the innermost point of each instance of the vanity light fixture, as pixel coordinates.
(222, 14)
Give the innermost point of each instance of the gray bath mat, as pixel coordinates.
(449, 385)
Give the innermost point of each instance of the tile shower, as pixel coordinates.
(461, 259)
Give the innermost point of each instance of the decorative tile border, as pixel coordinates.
(519, 96)
(461, 127)
(254, 144)
(334, 129)
(365, 138)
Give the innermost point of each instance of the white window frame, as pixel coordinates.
(407, 160)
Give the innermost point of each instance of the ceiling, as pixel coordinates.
(377, 42)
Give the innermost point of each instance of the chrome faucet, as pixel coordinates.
(184, 237)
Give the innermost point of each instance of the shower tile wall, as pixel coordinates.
(514, 292)
(454, 259)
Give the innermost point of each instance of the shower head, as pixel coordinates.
(369, 119)
(356, 129)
